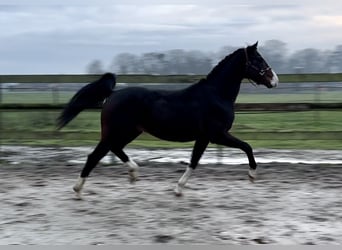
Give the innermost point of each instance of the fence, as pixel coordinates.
(321, 92)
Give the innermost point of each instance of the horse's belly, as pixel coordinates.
(172, 134)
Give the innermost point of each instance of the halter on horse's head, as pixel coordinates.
(257, 69)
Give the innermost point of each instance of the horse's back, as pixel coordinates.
(125, 102)
(170, 115)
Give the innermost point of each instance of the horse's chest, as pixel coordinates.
(223, 113)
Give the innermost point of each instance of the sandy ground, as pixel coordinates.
(290, 203)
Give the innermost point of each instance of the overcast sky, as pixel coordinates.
(64, 36)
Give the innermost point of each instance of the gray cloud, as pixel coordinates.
(63, 36)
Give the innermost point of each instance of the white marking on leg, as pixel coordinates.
(182, 181)
(133, 170)
(252, 174)
(275, 79)
(79, 185)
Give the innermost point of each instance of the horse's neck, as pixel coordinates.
(227, 80)
(228, 83)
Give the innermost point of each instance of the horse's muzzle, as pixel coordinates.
(274, 81)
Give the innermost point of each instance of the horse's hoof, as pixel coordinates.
(77, 191)
(133, 175)
(133, 170)
(178, 191)
(178, 194)
(79, 185)
(252, 174)
(78, 195)
(77, 188)
(133, 180)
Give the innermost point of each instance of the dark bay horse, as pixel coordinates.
(202, 112)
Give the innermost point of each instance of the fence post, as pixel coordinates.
(219, 153)
(317, 100)
(55, 94)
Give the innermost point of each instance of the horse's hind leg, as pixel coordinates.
(130, 164)
(119, 141)
(99, 152)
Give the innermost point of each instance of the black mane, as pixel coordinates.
(224, 63)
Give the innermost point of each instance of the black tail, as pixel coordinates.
(90, 96)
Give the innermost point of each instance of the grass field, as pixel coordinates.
(312, 129)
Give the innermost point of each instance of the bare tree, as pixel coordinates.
(153, 63)
(126, 63)
(178, 61)
(275, 52)
(334, 60)
(95, 67)
(198, 62)
(308, 61)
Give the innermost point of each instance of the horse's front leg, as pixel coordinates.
(228, 140)
(199, 148)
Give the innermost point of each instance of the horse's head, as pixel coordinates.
(257, 68)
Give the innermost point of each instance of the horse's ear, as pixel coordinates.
(254, 46)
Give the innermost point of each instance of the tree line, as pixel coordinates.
(179, 61)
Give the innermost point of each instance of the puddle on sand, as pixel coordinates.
(78, 155)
